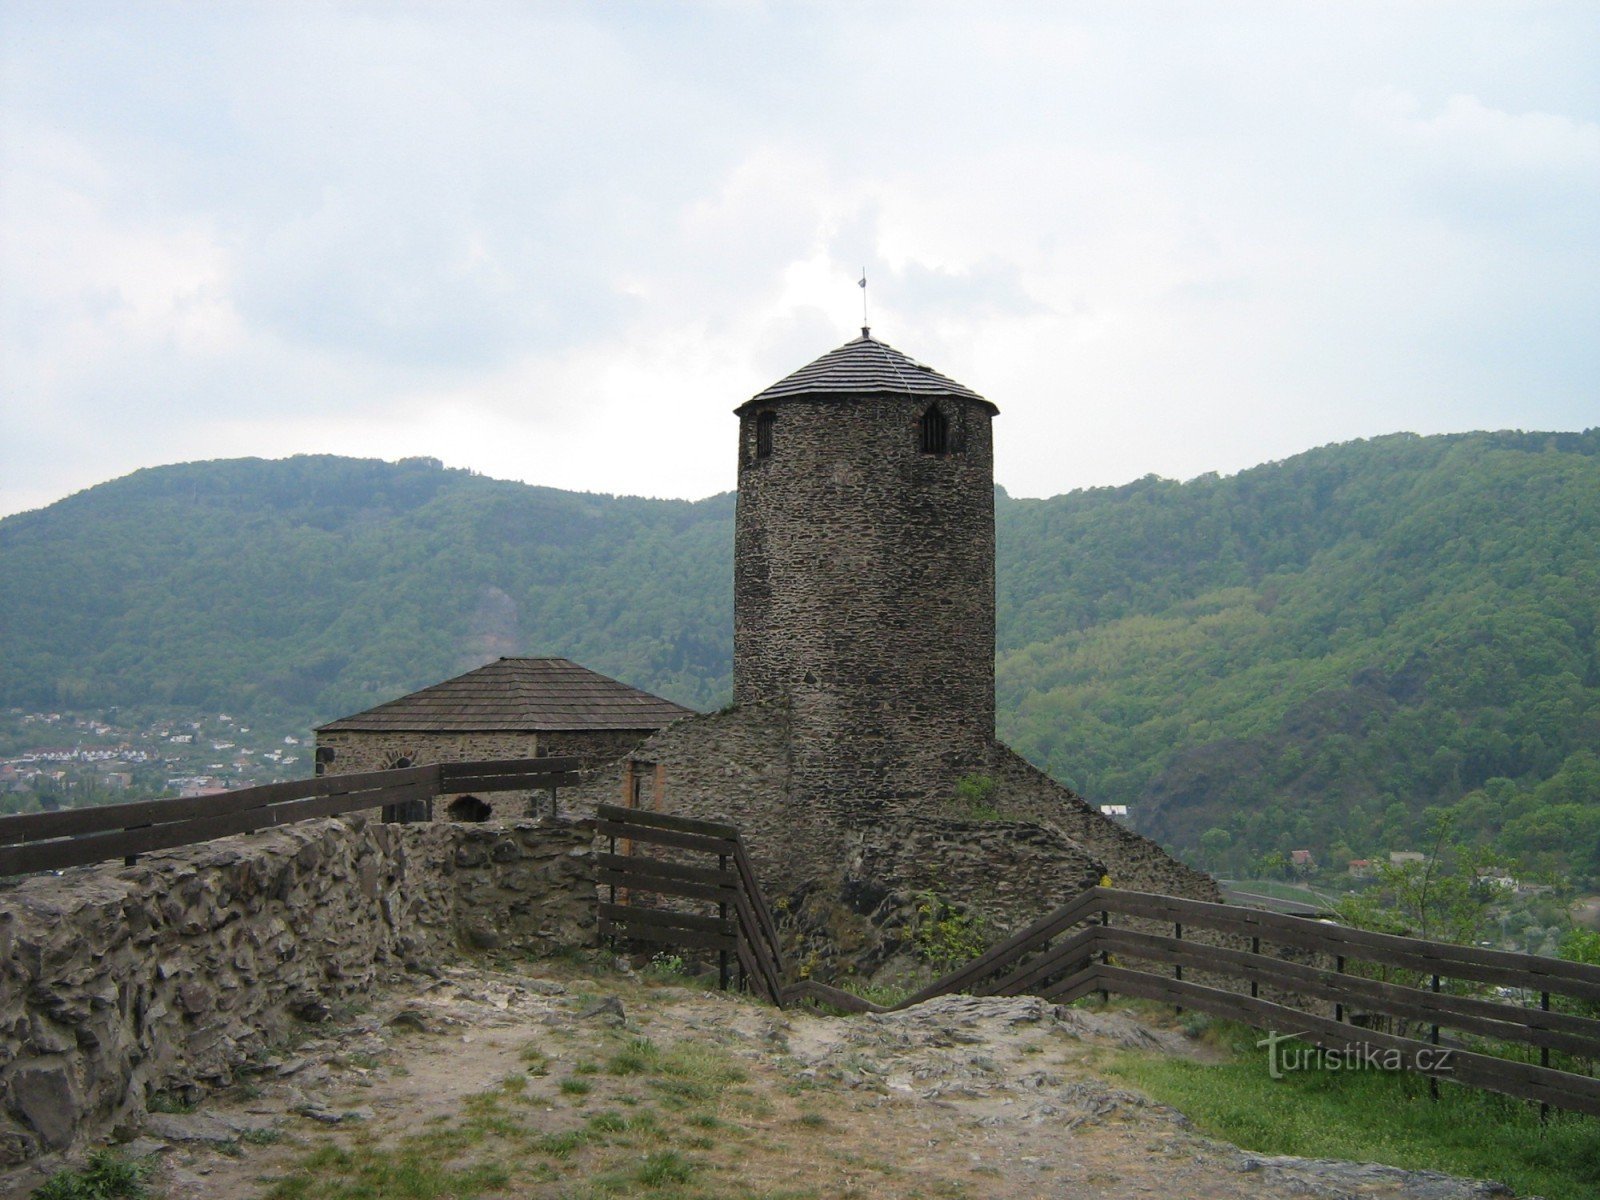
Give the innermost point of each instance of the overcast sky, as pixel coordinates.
(559, 243)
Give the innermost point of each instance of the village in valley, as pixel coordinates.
(65, 759)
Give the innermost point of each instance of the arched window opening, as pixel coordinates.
(469, 808)
(935, 431)
(764, 424)
(324, 756)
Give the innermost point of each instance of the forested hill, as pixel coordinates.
(1307, 654)
(321, 585)
(1312, 653)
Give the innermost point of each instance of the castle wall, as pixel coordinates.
(864, 593)
(732, 766)
(1132, 860)
(121, 983)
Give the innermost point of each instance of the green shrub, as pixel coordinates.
(944, 936)
(104, 1177)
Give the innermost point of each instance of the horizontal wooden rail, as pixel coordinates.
(1505, 968)
(81, 836)
(668, 821)
(664, 837)
(1546, 1085)
(743, 927)
(1486, 1018)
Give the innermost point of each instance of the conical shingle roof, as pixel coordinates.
(521, 695)
(865, 366)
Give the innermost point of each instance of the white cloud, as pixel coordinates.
(561, 244)
(1468, 132)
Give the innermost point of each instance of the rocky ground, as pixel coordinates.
(539, 1079)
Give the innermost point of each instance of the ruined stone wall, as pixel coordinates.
(847, 894)
(1132, 861)
(120, 983)
(1012, 872)
(864, 594)
(731, 766)
(735, 766)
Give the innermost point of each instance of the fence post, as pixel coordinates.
(1105, 956)
(1544, 1058)
(1338, 1005)
(722, 915)
(1177, 968)
(1255, 984)
(131, 859)
(1433, 1080)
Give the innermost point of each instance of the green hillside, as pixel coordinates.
(1312, 653)
(316, 586)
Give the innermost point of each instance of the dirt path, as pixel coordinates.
(550, 1082)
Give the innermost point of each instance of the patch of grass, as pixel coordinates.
(813, 1120)
(574, 1086)
(261, 1137)
(413, 1171)
(166, 1102)
(562, 1145)
(1375, 1116)
(514, 1082)
(667, 1167)
(638, 1057)
(608, 1122)
(667, 966)
(885, 994)
(104, 1177)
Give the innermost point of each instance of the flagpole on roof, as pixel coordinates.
(865, 326)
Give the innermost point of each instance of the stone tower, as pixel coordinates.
(864, 575)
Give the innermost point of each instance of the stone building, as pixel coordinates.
(859, 757)
(509, 708)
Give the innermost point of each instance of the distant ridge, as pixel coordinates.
(1308, 654)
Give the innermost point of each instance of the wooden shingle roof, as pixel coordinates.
(521, 695)
(861, 367)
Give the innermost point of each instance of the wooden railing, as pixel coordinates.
(725, 912)
(1312, 980)
(1107, 940)
(79, 836)
(1324, 983)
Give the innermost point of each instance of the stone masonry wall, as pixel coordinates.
(731, 766)
(864, 593)
(121, 983)
(362, 751)
(1132, 860)
(734, 766)
(355, 751)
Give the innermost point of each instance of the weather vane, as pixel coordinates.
(862, 284)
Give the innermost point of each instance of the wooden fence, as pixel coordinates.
(79, 836)
(726, 913)
(1368, 997)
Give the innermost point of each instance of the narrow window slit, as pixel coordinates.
(935, 431)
